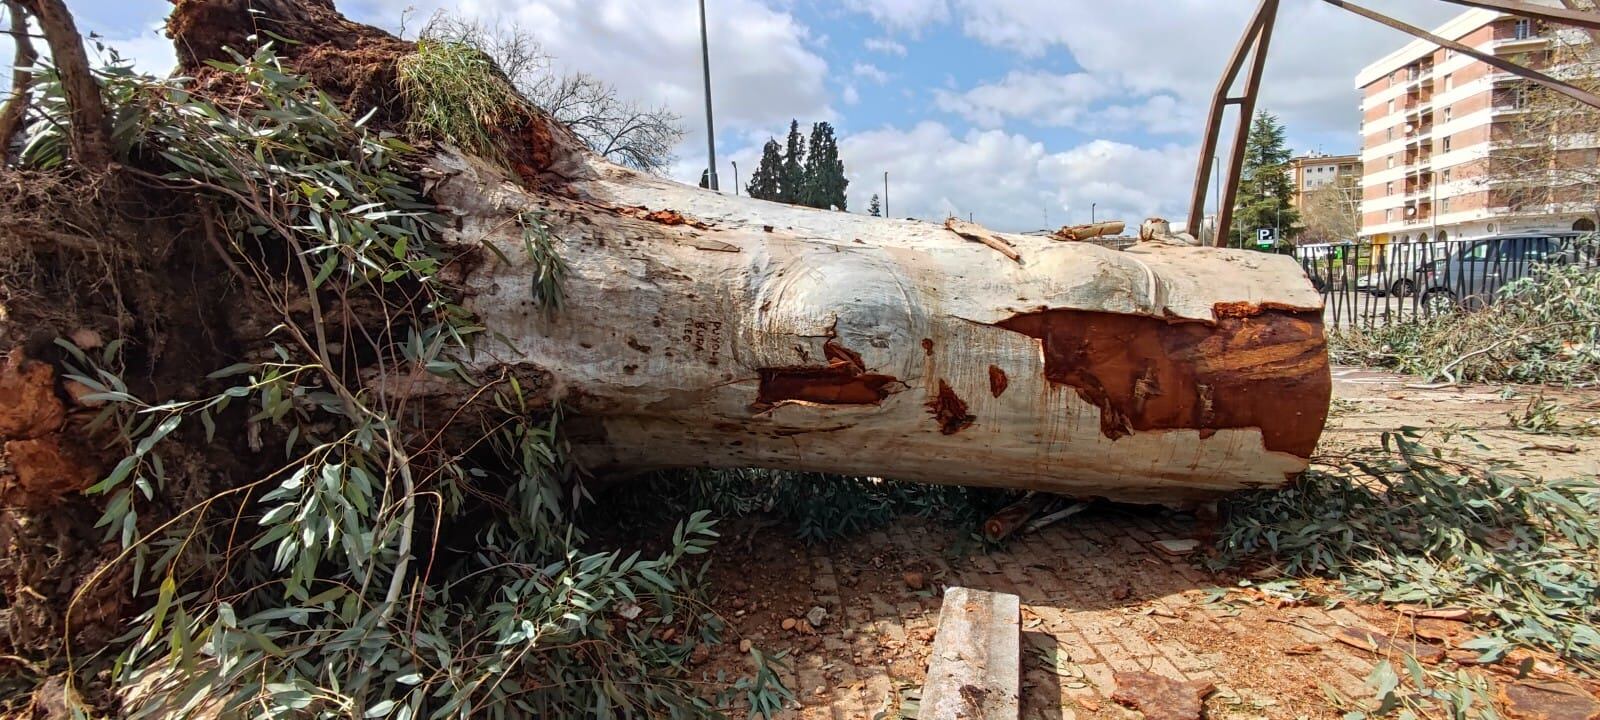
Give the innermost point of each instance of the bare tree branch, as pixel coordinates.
(1332, 213)
(621, 130)
(1544, 158)
(11, 114)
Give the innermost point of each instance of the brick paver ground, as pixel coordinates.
(1097, 598)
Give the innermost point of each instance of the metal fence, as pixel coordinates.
(1368, 284)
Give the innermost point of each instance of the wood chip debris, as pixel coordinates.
(1160, 697)
(1380, 644)
(1177, 548)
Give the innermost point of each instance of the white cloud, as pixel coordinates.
(903, 15)
(150, 51)
(1040, 98)
(1180, 46)
(1010, 182)
(765, 69)
(850, 94)
(870, 72)
(884, 45)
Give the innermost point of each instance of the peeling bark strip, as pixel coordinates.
(844, 381)
(997, 381)
(950, 410)
(1263, 368)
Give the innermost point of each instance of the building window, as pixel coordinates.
(1449, 82)
(1388, 189)
(1391, 161)
(1446, 144)
(1444, 205)
(1444, 175)
(1449, 112)
(1388, 215)
(1523, 29)
(1391, 106)
(1391, 134)
(1449, 53)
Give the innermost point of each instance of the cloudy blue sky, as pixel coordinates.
(1019, 112)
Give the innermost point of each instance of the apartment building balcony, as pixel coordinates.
(1416, 161)
(1417, 212)
(1519, 44)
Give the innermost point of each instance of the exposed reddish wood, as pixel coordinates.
(997, 381)
(1148, 374)
(1534, 700)
(46, 469)
(1010, 518)
(665, 217)
(1161, 698)
(843, 381)
(950, 410)
(29, 407)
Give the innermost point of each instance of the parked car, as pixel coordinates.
(1396, 271)
(1471, 274)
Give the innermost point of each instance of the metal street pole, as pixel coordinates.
(735, 177)
(1091, 212)
(885, 193)
(711, 132)
(1278, 234)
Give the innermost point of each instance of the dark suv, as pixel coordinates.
(1473, 272)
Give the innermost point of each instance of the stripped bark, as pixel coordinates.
(753, 334)
(701, 329)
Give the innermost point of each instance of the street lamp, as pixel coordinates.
(711, 132)
(885, 192)
(735, 177)
(1091, 212)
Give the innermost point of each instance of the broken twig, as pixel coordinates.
(978, 233)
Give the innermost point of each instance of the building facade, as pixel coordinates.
(1432, 118)
(1314, 171)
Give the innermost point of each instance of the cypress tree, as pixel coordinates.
(825, 180)
(875, 206)
(1264, 184)
(792, 182)
(766, 182)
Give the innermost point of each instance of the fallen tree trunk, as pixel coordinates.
(708, 330)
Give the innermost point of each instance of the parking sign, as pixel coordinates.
(1266, 237)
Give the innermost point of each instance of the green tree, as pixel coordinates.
(875, 206)
(767, 181)
(1264, 185)
(825, 182)
(792, 181)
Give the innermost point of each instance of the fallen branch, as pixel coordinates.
(978, 233)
